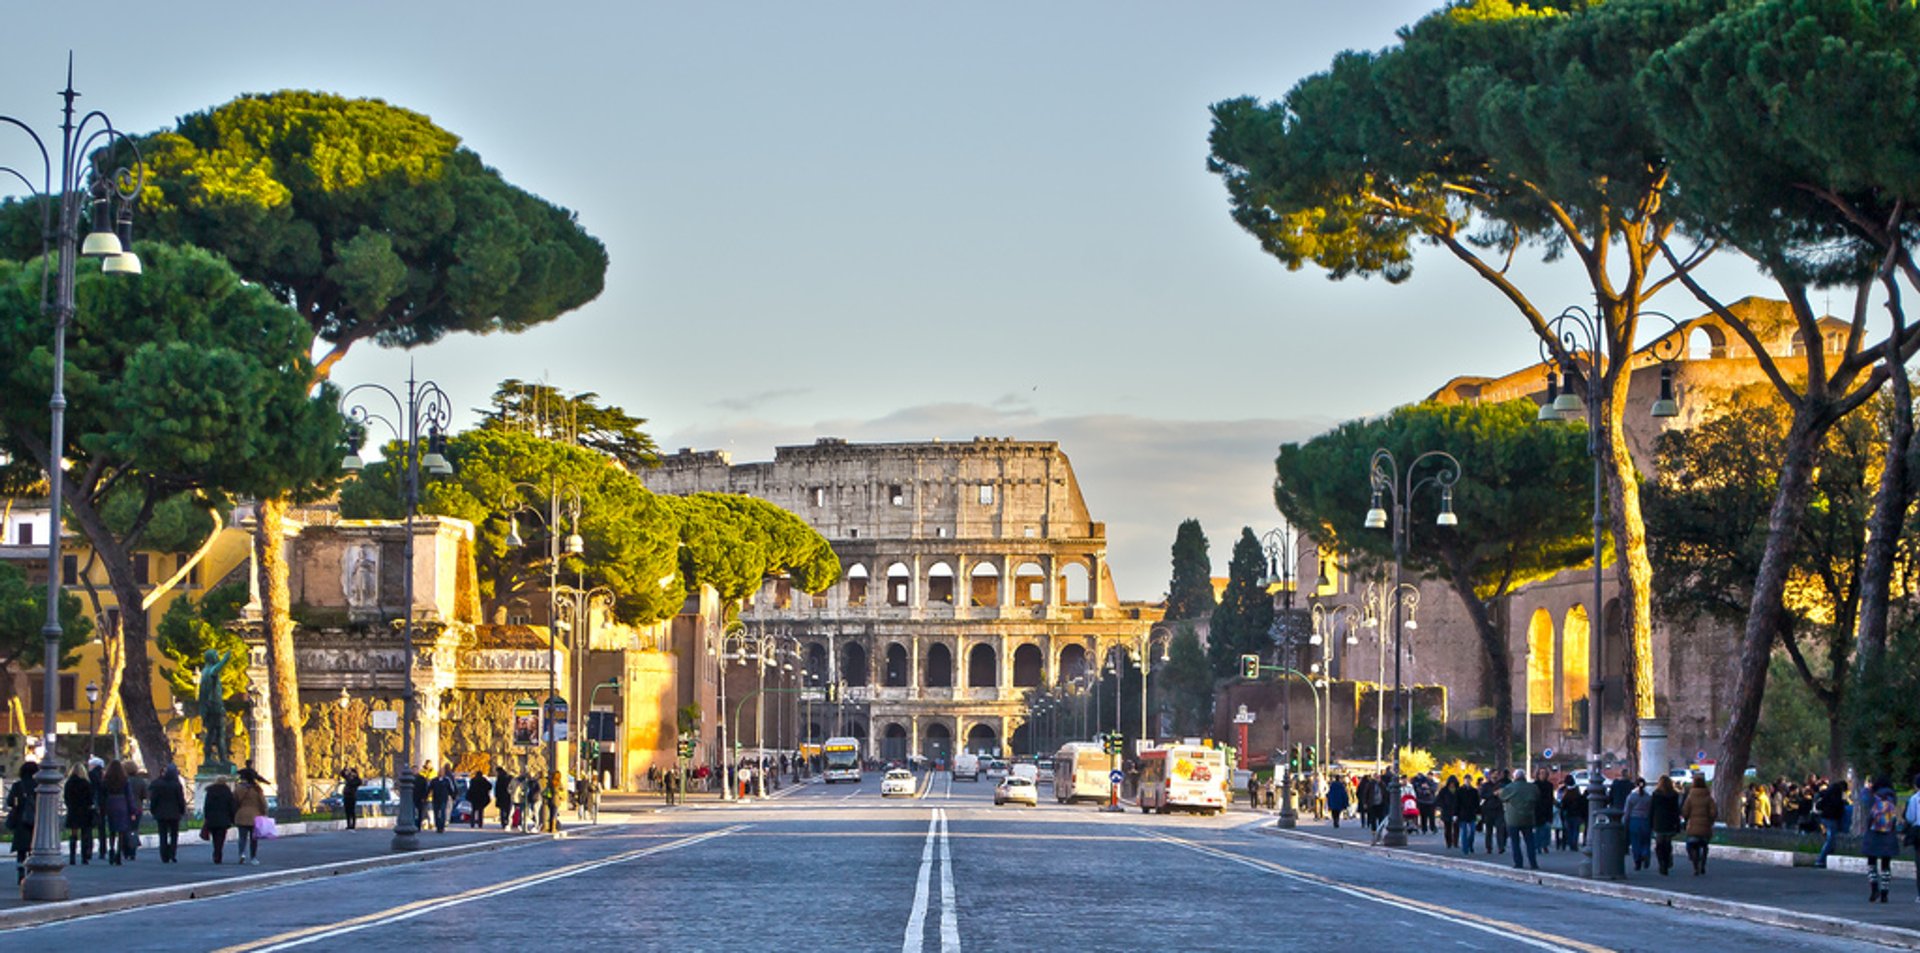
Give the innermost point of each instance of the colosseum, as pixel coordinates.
(971, 573)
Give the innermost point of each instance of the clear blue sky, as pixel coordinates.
(877, 221)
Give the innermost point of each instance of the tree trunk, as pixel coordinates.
(1890, 504)
(1499, 670)
(1810, 424)
(136, 688)
(1631, 565)
(276, 624)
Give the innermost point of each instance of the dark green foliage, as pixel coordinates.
(1880, 735)
(1190, 592)
(1783, 119)
(732, 542)
(369, 218)
(1184, 683)
(1241, 620)
(23, 614)
(184, 379)
(189, 629)
(544, 411)
(1795, 744)
(178, 524)
(1523, 500)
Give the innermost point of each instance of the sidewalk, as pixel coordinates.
(1830, 893)
(110, 887)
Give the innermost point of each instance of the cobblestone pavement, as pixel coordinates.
(839, 868)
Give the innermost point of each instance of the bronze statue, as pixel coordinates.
(215, 740)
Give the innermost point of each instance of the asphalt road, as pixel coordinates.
(839, 868)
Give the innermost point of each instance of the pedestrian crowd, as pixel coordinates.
(103, 804)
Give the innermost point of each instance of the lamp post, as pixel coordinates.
(1582, 354)
(1326, 622)
(423, 407)
(573, 545)
(581, 643)
(86, 185)
(1386, 476)
(730, 646)
(93, 697)
(1374, 608)
(1155, 635)
(1287, 641)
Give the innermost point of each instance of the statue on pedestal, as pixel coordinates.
(216, 741)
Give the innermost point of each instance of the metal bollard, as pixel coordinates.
(1610, 845)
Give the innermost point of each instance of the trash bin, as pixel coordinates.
(1610, 845)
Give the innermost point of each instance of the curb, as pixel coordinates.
(132, 899)
(1754, 913)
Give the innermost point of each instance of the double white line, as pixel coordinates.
(949, 921)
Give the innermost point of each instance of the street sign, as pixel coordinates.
(813, 695)
(1546, 754)
(1243, 716)
(557, 719)
(1700, 755)
(1116, 777)
(384, 720)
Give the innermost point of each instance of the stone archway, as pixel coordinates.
(1073, 662)
(1028, 666)
(893, 742)
(895, 674)
(937, 742)
(853, 664)
(938, 666)
(982, 739)
(982, 666)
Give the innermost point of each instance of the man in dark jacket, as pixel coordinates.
(1425, 800)
(20, 816)
(350, 796)
(167, 798)
(479, 795)
(1543, 805)
(503, 794)
(1447, 802)
(441, 789)
(1467, 812)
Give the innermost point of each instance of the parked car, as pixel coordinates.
(1017, 789)
(372, 799)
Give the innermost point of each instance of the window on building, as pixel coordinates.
(940, 532)
(37, 692)
(519, 618)
(110, 620)
(853, 534)
(783, 594)
(1031, 532)
(897, 495)
(986, 494)
(140, 569)
(69, 570)
(819, 494)
(23, 534)
(193, 575)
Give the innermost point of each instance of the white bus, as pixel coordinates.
(1080, 772)
(1189, 777)
(842, 760)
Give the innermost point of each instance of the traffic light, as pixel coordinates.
(1293, 760)
(833, 694)
(1309, 761)
(1250, 667)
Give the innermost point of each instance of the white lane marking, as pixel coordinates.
(949, 915)
(1387, 900)
(511, 888)
(917, 920)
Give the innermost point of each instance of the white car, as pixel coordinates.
(897, 783)
(1017, 789)
(996, 769)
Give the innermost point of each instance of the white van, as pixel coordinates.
(966, 765)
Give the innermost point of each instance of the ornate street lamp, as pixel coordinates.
(87, 186)
(1581, 360)
(1399, 487)
(422, 412)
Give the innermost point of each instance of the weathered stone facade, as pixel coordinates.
(971, 573)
